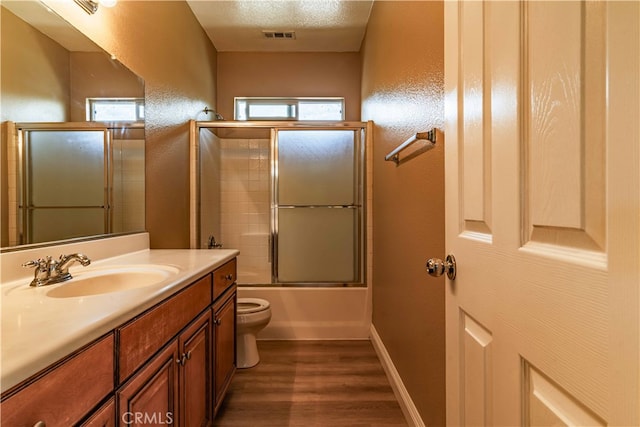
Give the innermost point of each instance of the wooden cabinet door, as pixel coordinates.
(225, 346)
(103, 417)
(196, 378)
(150, 397)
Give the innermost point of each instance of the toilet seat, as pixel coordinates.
(252, 305)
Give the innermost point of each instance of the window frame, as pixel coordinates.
(139, 103)
(292, 104)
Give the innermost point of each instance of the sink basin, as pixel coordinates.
(112, 279)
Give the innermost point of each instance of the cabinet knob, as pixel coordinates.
(40, 424)
(229, 277)
(217, 322)
(183, 359)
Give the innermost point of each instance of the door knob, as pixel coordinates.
(436, 267)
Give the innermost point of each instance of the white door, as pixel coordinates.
(543, 212)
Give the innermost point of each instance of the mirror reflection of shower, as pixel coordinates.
(75, 179)
(290, 198)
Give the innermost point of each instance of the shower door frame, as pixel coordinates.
(359, 205)
(24, 170)
(365, 129)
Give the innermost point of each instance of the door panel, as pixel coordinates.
(547, 404)
(475, 146)
(77, 161)
(563, 148)
(477, 364)
(224, 348)
(542, 202)
(317, 245)
(73, 159)
(317, 205)
(47, 225)
(316, 167)
(195, 376)
(152, 392)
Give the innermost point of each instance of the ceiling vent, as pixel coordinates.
(282, 35)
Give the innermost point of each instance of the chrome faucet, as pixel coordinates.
(49, 271)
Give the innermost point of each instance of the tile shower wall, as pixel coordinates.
(245, 206)
(128, 185)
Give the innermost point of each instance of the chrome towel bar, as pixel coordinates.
(429, 136)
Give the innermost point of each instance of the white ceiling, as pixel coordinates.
(319, 25)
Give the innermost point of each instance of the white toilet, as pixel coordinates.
(253, 315)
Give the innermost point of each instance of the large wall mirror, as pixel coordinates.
(72, 153)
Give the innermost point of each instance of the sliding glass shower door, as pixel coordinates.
(317, 206)
(65, 183)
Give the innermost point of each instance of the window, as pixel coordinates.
(115, 109)
(248, 108)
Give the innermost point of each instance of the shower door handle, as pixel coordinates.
(436, 267)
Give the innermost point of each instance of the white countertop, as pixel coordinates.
(38, 330)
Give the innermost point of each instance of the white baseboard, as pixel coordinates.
(404, 399)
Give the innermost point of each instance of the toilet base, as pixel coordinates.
(247, 351)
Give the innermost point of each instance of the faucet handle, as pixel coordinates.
(32, 263)
(41, 272)
(40, 263)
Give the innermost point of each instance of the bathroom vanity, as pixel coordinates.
(158, 354)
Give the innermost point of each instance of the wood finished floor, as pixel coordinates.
(312, 383)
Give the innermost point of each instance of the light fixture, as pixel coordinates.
(91, 6)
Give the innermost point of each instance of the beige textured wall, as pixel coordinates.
(162, 42)
(402, 92)
(96, 75)
(35, 74)
(289, 74)
(34, 87)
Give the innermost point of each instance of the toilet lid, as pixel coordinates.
(252, 305)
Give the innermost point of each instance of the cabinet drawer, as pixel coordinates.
(142, 337)
(223, 277)
(62, 396)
